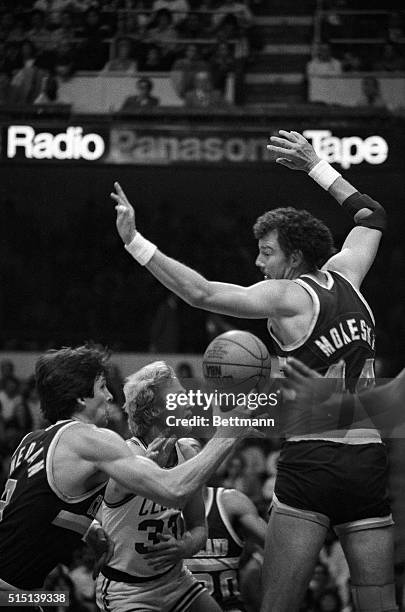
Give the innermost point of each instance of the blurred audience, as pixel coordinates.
(49, 91)
(203, 94)
(123, 60)
(323, 64)
(185, 69)
(371, 93)
(143, 98)
(177, 8)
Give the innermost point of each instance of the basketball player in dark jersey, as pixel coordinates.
(232, 518)
(315, 311)
(57, 475)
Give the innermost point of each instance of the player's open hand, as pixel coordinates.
(125, 214)
(293, 150)
(102, 547)
(167, 552)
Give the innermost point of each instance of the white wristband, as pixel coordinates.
(141, 249)
(324, 174)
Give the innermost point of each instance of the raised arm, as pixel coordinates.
(361, 245)
(258, 301)
(108, 453)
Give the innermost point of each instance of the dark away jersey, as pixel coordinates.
(343, 327)
(217, 565)
(39, 526)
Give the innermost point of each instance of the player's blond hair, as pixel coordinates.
(140, 392)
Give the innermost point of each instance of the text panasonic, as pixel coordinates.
(348, 150)
(72, 144)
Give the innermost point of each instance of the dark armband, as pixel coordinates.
(373, 217)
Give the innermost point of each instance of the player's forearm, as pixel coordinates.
(341, 190)
(188, 284)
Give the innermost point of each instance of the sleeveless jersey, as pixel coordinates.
(217, 566)
(134, 523)
(342, 327)
(39, 526)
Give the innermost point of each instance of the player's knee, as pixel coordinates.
(366, 211)
(374, 598)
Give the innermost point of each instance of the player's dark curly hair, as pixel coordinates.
(63, 376)
(298, 230)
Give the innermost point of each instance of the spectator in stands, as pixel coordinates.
(144, 97)
(184, 370)
(203, 95)
(53, 8)
(123, 61)
(65, 33)
(9, 398)
(178, 9)
(371, 93)
(236, 8)
(323, 64)
(93, 53)
(164, 35)
(7, 370)
(49, 91)
(64, 62)
(235, 474)
(26, 83)
(11, 62)
(351, 62)
(390, 60)
(185, 68)
(395, 30)
(222, 63)
(39, 34)
(152, 62)
(318, 584)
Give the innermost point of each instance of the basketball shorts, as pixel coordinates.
(173, 592)
(339, 485)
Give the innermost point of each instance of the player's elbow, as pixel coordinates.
(197, 296)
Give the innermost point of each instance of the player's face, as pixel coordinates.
(272, 261)
(181, 412)
(100, 400)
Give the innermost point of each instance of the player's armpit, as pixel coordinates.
(357, 254)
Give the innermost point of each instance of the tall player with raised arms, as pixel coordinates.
(315, 312)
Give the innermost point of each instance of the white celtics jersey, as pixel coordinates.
(133, 524)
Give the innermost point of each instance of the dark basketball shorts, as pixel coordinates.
(343, 486)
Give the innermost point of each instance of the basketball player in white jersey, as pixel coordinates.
(311, 299)
(146, 571)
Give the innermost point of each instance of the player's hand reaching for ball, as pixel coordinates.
(125, 215)
(294, 151)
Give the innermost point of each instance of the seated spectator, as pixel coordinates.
(163, 34)
(39, 34)
(177, 8)
(323, 64)
(7, 370)
(53, 8)
(185, 68)
(152, 60)
(143, 99)
(395, 28)
(123, 62)
(222, 63)
(351, 62)
(390, 60)
(371, 93)
(64, 62)
(65, 33)
(203, 95)
(26, 83)
(93, 53)
(49, 91)
(4, 88)
(236, 8)
(11, 61)
(10, 398)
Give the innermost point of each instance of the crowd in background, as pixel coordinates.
(44, 42)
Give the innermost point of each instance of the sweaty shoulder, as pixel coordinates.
(235, 502)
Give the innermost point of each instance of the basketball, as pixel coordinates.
(236, 361)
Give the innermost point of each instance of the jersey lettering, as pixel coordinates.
(8, 492)
(345, 333)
